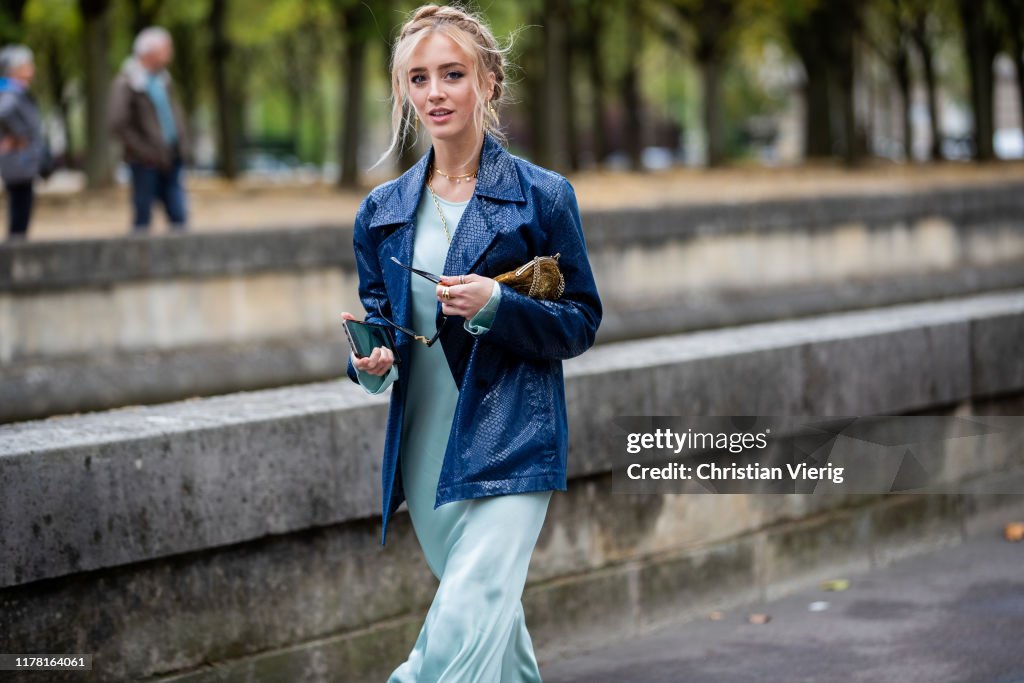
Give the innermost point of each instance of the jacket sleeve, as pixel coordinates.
(482, 320)
(10, 121)
(371, 278)
(121, 127)
(553, 330)
(375, 384)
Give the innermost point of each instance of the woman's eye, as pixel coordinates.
(419, 78)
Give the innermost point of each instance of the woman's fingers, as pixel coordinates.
(465, 299)
(377, 363)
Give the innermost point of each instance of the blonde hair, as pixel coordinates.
(467, 30)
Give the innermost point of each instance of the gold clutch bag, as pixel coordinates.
(539, 277)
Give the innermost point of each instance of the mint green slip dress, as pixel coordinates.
(479, 549)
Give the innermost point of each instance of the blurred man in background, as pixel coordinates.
(145, 115)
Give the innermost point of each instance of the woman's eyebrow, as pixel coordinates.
(442, 66)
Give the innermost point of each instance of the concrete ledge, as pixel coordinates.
(55, 265)
(107, 489)
(237, 538)
(97, 324)
(62, 264)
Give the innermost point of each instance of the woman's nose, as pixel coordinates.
(435, 89)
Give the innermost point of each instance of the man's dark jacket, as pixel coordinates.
(132, 118)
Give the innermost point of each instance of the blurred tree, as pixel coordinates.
(554, 133)
(573, 14)
(823, 33)
(11, 24)
(979, 19)
(144, 14)
(1013, 26)
(228, 132)
(888, 32)
(714, 28)
(924, 17)
(53, 30)
(186, 68)
(356, 25)
(594, 36)
(629, 85)
(96, 35)
(300, 58)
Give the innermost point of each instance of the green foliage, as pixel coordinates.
(287, 55)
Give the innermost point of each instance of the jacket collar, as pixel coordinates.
(138, 76)
(496, 178)
(10, 85)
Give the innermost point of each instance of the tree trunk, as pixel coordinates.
(56, 78)
(555, 147)
(1018, 49)
(804, 37)
(818, 106)
(95, 41)
(919, 34)
(595, 65)
(1014, 14)
(633, 119)
(712, 116)
(220, 53)
(144, 14)
(980, 51)
(11, 24)
(901, 67)
(572, 148)
(186, 65)
(353, 75)
(845, 21)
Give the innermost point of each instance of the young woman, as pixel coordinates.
(477, 436)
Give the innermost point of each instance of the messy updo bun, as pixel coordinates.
(467, 30)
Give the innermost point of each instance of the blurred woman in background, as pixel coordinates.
(23, 149)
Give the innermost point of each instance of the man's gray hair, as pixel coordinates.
(150, 39)
(13, 56)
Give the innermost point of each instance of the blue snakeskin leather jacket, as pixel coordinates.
(510, 431)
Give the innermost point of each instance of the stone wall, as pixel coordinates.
(93, 324)
(238, 537)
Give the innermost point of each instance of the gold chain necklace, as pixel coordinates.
(457, 178)
(444, 223)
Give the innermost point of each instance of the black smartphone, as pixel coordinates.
(364, 337)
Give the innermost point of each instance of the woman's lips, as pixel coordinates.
(442, 117)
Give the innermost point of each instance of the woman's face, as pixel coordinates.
(441, 87)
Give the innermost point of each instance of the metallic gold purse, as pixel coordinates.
(539, 277)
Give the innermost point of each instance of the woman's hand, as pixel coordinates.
(378, 362)
(468, 294)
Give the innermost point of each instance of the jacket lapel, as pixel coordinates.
(497, 179)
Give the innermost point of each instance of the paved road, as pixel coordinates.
(955, 615)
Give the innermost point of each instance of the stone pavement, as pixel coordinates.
(955, 615)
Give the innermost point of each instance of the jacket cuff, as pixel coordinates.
(484, 318)
(376, 384)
